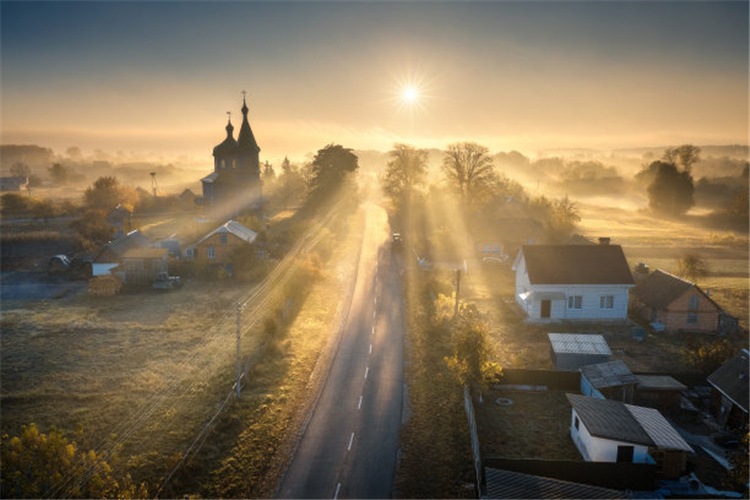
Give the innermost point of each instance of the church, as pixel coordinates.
(234, 186)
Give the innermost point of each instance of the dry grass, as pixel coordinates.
(535, 425)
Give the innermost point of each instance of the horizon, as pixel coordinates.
(156, 80)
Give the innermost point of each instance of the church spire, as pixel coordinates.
(246, 139)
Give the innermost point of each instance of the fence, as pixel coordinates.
(469, 407)
(619, 476)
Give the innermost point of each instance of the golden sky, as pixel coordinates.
(158, 78)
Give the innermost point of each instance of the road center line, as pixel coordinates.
(373, 330)
(367, 370)
(376, 301)
(370, 348)
(359, 406)
(351, 440)
(373, 314)
(338, 487)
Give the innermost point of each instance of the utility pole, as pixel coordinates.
(239, 349)
(458, 287)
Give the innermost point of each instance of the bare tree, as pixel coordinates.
(686, 155)
(469, 167)
(405, 172)
(691, 267)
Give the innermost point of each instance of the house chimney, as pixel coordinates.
(604, 241)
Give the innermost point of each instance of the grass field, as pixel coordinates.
(142, 373)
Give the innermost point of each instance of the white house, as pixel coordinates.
(573, 282)
(604, 430)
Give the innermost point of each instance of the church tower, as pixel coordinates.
(235, 185)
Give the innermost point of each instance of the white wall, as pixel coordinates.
(596, 449)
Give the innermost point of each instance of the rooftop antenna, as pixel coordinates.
(154, 185)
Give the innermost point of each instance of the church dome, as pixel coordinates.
(229, 145)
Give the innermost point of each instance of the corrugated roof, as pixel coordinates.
(609, 419)
(579, 343)
(731, 379)
(609, 374)
(235, 228)
(659, 382)
(577, 265)
(507, 484)
(659, 430)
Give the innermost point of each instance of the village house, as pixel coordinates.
(674, 304)
(730, 392)
(612, 431)
(111, 254)
(572, 351)
(120, 218)
(610, 380)
(502, 238)
(14, 183)
(573, 282)
(218, 246)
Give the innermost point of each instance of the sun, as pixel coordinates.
(410, 95)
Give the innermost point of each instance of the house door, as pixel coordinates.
(546, 308)
(625, 454)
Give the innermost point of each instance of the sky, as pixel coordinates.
(158, 78)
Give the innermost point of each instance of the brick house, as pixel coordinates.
(218, 246)
(675, 303)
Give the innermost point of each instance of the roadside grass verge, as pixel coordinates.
(435, 460)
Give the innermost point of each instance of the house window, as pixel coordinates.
(190, 253)
(486, 248)
(577, 423)
(575, 302)
(211, 252)
(607, 302)
(694, 302)
(692, 319)
(223, 238)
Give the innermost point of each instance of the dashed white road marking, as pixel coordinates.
(338, 487)
(359, 406)
(370, 348)
(351, 440)
(367, 370)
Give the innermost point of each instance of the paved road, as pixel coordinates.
(349, 447)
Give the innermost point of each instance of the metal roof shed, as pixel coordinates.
(571, 351)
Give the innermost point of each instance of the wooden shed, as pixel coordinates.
(141, 266)
(659, 391)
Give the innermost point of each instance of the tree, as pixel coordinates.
(107, 192)
(691, 267)
(19, 169)
(37, 465)
(330, 167)
(58, 173)
(268, 175)
(671, 191)
(563, 219)
(405, 171)
(472, 349)
(290, 184)
(707, 356)
(686, 155)
(468, 166)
